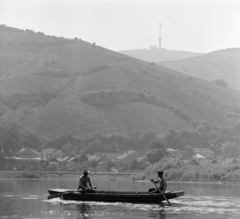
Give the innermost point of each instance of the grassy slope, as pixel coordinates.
(223, 64)
(66, 67)
(159, 55)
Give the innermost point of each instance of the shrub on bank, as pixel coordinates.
(176, 170)
(174, 174)
(172, 163)
(231, 176)
(29, 175)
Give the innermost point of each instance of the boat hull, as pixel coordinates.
(115, 196)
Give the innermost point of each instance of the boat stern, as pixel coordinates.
(180, 193)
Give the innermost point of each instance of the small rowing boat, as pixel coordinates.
(113, 196)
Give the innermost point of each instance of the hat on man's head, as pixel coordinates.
(160, 171)
(85, 171)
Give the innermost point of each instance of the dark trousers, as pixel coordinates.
(83, 190)
(154, 189)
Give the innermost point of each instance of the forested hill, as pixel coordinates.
(54, 86)
(159, 55)
(222, 65)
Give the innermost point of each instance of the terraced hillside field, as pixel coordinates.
(55, 86)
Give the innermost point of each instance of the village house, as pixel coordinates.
(142, 159)
(127, 157)
(99, 158)
(26, 157)
(53, 161)
(63, 163)
(48, 153)
(111, 156)
(192, 162)
(174, 153)
(28, 153)
(204, 152)
(103, 157)
(71, 162)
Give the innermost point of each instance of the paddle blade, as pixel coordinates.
(55, 195)
(60, 194)
(166, 199)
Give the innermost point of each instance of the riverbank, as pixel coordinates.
(98, 176)
(194, 182)
(176, 170)
(40, 175)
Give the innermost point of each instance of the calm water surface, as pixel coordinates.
(22, 198)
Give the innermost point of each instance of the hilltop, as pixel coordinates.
(159, 55)
(54, 86)
(222, 64)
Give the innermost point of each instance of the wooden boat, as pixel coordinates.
(113, 196)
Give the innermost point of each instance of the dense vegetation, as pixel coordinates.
(222, 141)
(221, 82)
(18, 100)
(114, 98)
(177, 170)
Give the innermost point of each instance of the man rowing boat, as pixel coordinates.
(162, 183)
(85, 183)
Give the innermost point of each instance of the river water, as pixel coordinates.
(23, 198)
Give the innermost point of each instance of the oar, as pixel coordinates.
(63, 193)
(161, 193)
(60, 194)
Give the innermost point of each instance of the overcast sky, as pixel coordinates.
(189, 25)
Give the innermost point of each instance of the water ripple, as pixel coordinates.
(207, 205)
(191, 205)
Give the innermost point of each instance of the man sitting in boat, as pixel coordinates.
(85, 183)
(162, 183)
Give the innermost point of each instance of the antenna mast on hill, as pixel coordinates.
(160, 38)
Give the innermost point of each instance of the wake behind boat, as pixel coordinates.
(113, 196)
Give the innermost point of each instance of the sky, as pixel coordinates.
(187, 25)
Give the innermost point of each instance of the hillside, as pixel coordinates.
(222, 64)
(159, 55)
(54, 86)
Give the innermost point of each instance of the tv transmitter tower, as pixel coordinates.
(160, 38)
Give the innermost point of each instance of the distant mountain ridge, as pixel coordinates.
(159, 55)
(222, 64)
(55, 86)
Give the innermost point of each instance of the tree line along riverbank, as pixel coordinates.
(193, 171)
(65, 174)
(175, 170)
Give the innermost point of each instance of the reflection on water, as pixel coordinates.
(209, 205)
(185, 207)
(28, 199)
(84, 210)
